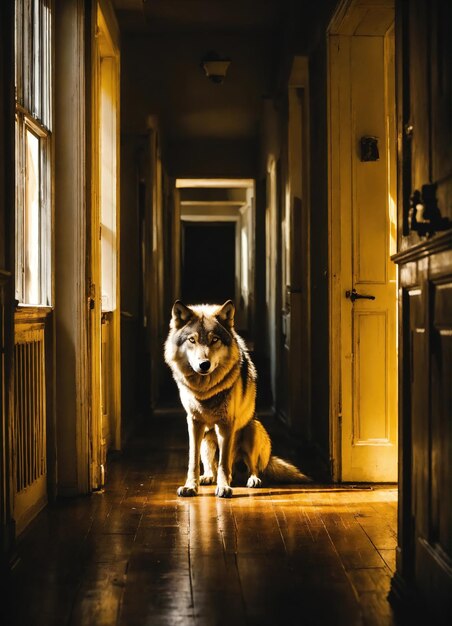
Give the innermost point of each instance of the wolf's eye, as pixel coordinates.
(191, 339)
(215, 339)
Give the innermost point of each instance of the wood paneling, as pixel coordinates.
(425, 527)
(441, 413)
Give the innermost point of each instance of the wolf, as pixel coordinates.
(217, 385)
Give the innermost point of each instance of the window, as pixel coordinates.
(33, 38)
(108, 180)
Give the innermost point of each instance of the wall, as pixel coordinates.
(147, 289)
(212, 158)
(207, 129)
(132, 400)
(267, 283)
(273, 145)
(319, 255)
(7, 265)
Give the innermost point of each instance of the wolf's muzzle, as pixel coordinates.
(204, 366)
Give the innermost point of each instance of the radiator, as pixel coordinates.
(30, 424)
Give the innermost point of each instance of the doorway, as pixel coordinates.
(362, 216)
(214, 245)
(208, 262)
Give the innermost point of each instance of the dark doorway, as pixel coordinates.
(208, 262)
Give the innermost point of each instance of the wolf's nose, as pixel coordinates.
(204, 366)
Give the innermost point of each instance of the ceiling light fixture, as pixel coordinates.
(215, 67)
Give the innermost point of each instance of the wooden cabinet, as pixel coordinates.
(424, 46)
(425, 512)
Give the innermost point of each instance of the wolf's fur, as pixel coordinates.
(217, 387)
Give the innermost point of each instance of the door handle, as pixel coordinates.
(354, 295)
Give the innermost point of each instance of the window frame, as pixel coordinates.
(33, 79)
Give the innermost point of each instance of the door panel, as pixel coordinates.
(441, 414)
(370, 412)
(370, 222)
(368, 326)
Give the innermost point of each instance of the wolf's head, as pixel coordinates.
(201, 336)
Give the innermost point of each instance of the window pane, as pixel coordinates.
(32, 229)
(27, 54)
(19, 216)
(46, 77)
(107, 141)
(37, 59)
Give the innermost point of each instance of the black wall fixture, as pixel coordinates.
(369, 148)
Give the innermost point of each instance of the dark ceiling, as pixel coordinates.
(197, 15)
(162, 45)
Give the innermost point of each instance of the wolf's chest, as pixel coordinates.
(211, 410)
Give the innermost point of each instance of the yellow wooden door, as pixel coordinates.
(368, 428)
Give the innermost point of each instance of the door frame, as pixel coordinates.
(71, 184)
(105, 42)
(334, 265)
(297, 309)
(110, 52)
(243, 214)
(343, 22)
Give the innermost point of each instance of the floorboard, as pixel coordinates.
(136, 554)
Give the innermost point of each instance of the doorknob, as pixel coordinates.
(354, 295)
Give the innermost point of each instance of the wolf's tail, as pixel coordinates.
(280, 471)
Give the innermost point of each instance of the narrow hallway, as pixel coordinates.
(292, 160)
(137, 554)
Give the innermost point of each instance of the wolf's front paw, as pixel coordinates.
(223, 492)
(207, 479)
(187, 492)
(253, 482)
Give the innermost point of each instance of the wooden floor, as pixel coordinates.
(137, 555)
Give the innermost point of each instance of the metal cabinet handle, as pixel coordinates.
(354, 295)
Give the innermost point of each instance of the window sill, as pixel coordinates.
(26, 313)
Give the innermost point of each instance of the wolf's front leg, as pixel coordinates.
(209, 447)
(195, 433)
(225, 439)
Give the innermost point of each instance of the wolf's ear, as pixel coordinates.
(226, 314)
(181, 314)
